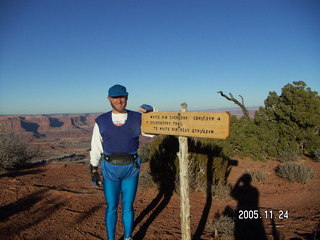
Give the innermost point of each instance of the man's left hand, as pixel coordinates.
(144, 108)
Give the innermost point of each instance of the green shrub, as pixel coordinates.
(288, 156)
(316, 155)
(205, 170)
(14, 152)
(256, 175)
(288, 122)
(206, 165)
(294, 172)
(293, 117)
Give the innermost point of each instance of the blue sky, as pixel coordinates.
(59, 56)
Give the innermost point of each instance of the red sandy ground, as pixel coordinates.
(58, 202)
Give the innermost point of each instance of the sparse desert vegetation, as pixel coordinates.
(15, 152)
(295, 172)
(277, 151)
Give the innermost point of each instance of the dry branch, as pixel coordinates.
(240, 104)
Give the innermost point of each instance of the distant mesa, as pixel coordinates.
(53, 125)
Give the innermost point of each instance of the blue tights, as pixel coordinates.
(127, 188)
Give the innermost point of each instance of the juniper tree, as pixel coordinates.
(291, 121)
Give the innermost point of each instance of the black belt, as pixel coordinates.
(120, 158)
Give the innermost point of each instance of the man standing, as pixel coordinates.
(115, 141)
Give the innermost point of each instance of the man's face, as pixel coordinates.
(118, 103)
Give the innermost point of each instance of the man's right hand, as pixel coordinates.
(95, 178)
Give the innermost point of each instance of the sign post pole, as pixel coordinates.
(184, 184)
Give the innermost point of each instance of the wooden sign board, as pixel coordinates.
(189, 124)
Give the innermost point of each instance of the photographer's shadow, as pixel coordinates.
(248, 221)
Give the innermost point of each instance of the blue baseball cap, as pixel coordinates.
(117, 91)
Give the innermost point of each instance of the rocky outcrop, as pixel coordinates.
(10, 124)
(72, 125)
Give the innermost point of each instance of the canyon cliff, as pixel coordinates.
(38, 126)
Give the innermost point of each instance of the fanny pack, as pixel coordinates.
(120, 158)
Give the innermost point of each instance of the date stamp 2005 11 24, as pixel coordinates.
(267, 214)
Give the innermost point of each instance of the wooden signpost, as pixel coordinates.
(186, 124)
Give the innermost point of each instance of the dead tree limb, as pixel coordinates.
(240, 104)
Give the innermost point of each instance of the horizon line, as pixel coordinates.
(84, 113)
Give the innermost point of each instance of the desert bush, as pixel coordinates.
(244, 140)
(294, 172)
(223, 226)
(316, 155)
(288, 156)
(221, 191)
(197, 178)
(207, 170)
(14, 152)
(256, 175)
(206, 165)
(145, 179)
(144, 152)
(163, 161)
